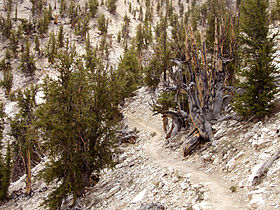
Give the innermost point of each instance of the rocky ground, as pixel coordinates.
(217, 176)
(152, 173)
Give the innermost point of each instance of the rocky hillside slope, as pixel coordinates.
(152, 173)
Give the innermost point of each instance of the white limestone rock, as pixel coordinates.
(139, 197)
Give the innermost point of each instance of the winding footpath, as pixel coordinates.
(219, 195)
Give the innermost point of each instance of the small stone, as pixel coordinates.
(113, 191)
(152, 206)
(234, 161)
(207, 157)
(184, 186)
(257, 202)
(175, 179)
(139, 196)
(201, 206)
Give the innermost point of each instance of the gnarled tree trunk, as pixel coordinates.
(203, 81)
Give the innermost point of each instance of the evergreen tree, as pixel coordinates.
(60, 37)
(4, 164)
(102, 24)
(5, 66)
(37, 45)
(259, 88)
(93, 7)
(111, 5)
(78, 125)
(62, 7)
(125, 28)
(6, 26)
(216, 10)
(51, 50)
(24, 132)
(275, 13)
(14, 40)
(129, 73)
(27, 64)
(90, 56)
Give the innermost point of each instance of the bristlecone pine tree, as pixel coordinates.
(78, 122)
(4, 164)
(25, 147)
(258, 87)
(197, 79)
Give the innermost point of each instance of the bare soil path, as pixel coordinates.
(219, 195)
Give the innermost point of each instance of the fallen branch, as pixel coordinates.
(191, 144)
(262, 170)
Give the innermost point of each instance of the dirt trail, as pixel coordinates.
(219, 195)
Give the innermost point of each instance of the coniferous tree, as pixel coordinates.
(129, 73)
(102, 24)
(4, 163)
(6, 26)
(25, 134)
(258, 87)
(5, 66)
(37, 45)
(275, 13)
(62, 7)
(14, 40)
(27, 64)
(78, 125)
(60, 37)
(90, 56)
(125, 28)
(51, 50)
(16, 12)
(111, 5)
(93, 7)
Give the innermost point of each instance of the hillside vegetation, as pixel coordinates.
(92, 86)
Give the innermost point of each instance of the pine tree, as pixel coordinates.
(275, 13)
(111, 5)
(6, 26)
(51, 48)
(24, 132)
(78, 126)
(129, 73)
(37, 45)
(27, 64)
(60, 37)
(90, 56)
(5, 66)
(102, 24)
(259, 88)
(125, 27)
(93, 7)
(4, 164)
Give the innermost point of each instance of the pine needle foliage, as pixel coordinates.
(27, 60)
(259, 87)
(23, 130)
(111, 5)
(128, 74)
(4, 163)
(78, 123)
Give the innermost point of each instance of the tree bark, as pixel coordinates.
(28, 174)
(203, 82)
